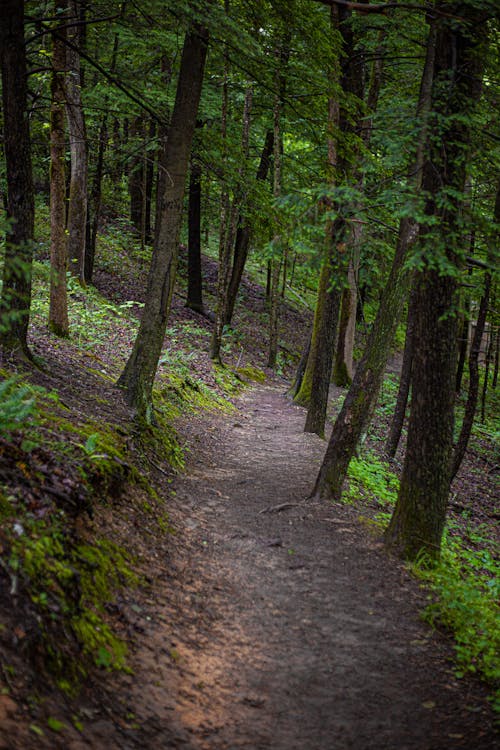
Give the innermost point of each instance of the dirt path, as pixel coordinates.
(302, 635)
(285, 630)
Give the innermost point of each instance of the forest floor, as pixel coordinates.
(271, 622)
(263, 620)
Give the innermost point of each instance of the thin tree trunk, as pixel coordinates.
(139, 373)
(16, 287)
(470, 406)
(275, 263)
(136, 173)
(486, 378)
(361, 399)
(340, 130)
(404, 382)
(417, 524)
(343, 364)
(223, 269)
(303, 394)
(77, 208)
(244, 232)
(150, 170)
(195, 287)
(58, 309)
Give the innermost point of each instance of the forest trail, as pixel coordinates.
(297, 632)
(284, 630)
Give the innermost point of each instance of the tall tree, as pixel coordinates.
(343, 121)
(472, 396)
(360, 401)
(138, 376)
(58, 309)
(77, 131)
(16, 287)
(418, 520)
(195, 287)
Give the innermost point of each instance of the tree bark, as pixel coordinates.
(77, 207)
(195, 287)
(417, 524)
(139, 373)
(404, 383)
(244, 232)
(16, 288)
(58, 309)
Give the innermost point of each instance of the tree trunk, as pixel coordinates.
(303, 394)
(243, 234)
(323, 361)
(275, 263)
(58, 309)
(223, 269)
(404, 383)
(470, 407)
(77, 209)
(95, 196)
(16, 288)
(361, 399)
(343, 365)
(418, 520)
(343, 162)
(149, 178)
(136, 172)
(195, 287)
(139, 373)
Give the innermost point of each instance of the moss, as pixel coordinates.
(250, 372)
(340, 375)
(6, 509)
(69, 586)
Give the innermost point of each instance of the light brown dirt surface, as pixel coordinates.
(275, 622)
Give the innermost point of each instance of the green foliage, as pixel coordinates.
(466, 589)
(371, 478)
(17, 405)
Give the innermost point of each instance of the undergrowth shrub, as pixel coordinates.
(465, 589)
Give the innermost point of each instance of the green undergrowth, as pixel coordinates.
(464, 586)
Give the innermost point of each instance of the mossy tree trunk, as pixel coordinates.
(16, 287)
(139, 373)
(58, 308)
(417, 524)
(361, 399)
(303, 393)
